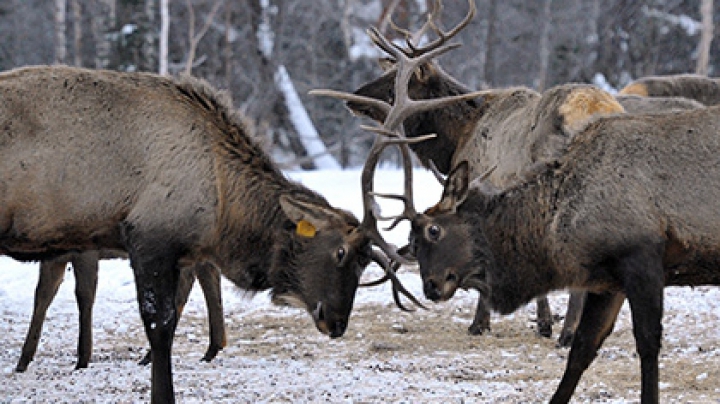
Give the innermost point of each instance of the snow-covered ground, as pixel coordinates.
(275, 355)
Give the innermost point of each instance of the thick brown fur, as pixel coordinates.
(705, 90)
(176, 179)
(635, 104)
(517, 132)
(629, 208)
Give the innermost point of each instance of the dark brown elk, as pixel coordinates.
(703, 89)
(628, 209)
(177, 179)
(510, 129)
(85, 269)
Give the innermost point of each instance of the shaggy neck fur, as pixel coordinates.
(508, 232)
(249, 186)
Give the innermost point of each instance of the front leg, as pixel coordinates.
(596, 323)
(544, 317)
(154, 264)
(481, 322)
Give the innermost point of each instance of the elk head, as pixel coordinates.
(444, 241)
(427, 81)
(391, 131)
(319, 266)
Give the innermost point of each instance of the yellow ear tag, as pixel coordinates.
(305, 229)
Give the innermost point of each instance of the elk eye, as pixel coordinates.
(433, 232)
(340, 254)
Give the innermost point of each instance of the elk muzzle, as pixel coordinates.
(331, 325)
(443, 287)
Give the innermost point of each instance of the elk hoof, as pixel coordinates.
(478, 329)
(545, 329)
(566, 338)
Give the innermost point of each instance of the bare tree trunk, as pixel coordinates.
(103, 21)
(228, 47)
(60, 25)
(706, 36)
(194, 38)
(77, 32)
(149, 51)
(544, 46)
(489, 70)
(164, 32)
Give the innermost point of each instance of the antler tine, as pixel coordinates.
(445, 36)
(436, 172)
(397, 286)
(345, 96)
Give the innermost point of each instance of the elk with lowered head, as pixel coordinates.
(177, 179)
(628, 209)
(509, 129)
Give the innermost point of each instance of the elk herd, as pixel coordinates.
(609, 197)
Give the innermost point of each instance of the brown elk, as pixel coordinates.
(85, 269)
(177, 179)
(628, 209)
(703, 89)
(510, 129)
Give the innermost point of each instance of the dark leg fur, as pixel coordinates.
(209, 278)
(85, 266)
(597, 322)
(51, 276)
(154, 264)
(572, 318)
(481, 322)
(544, 317)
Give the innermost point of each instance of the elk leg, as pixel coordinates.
(544, 317)
(596, 323)
(85, 267)
(481, 322)
(572, 318)
(154, 264)
(644, 285)
(51, 276)
(185, 284)
(208, 276)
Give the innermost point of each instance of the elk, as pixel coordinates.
(85, 268)
(503, 128)
(627, 210)
(703, 89)
(177, 179)
(635, 104)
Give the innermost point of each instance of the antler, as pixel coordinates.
(413, 39)
(392, 132)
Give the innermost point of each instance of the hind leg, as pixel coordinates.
(85, 266)
(51, 276)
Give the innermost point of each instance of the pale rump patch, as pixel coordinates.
(635, 89)
(585, 103)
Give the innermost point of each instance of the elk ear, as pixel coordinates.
(424, 72)
(386, 63)
(308, 218)
(456, 187)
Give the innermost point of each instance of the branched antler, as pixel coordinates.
(391, 132)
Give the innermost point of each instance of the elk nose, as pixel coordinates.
(431, 290)
(338, 329)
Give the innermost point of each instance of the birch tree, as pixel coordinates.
(60, 25)
(706, 36)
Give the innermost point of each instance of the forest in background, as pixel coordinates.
(264, 52)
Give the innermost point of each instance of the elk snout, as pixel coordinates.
(443, 288)
(334, 328)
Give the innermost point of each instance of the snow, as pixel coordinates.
(275, 355)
